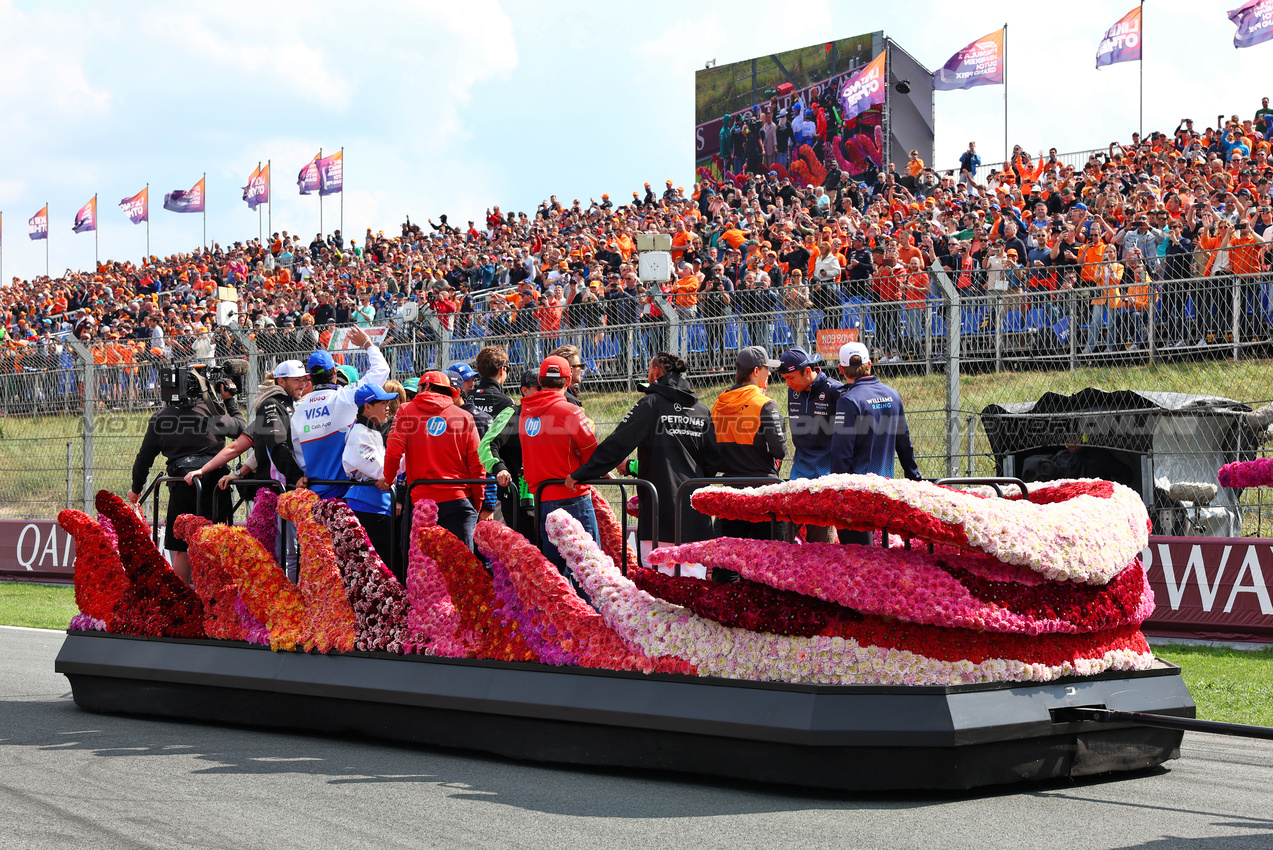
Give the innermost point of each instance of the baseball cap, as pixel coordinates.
(464, 370)
(320, 361)
(854, 349)
(1082, 207)
(530, 379)
(290, 369)
(753, 357)
(794, 360)
(372, 392)
(554, 367)
(437, 382)
(411, 385)
(349, 372)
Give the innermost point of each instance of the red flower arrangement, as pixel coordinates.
(472, 592)
(215, 586)
(100, 581)
(378, 600)
(263, 588)
(433, 625)
(816, 170)
(327, 609)
(562, 617)
(157, 603)
(610, 531)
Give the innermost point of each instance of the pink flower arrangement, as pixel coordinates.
(265, 591)
(472, 592)
(327, 610)
(1089, 536)
(659, 627)
(85, 623)
(100, 581)
(539, 637)
(1247, 473)
(212, 582)
(609, 530)
(263, 520)
(254, 631)
(433, 625)
(919, 588)
(558, 615)
(378, 600)
(157, 603)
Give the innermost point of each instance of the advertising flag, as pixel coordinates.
(978, 64)
(864, 89)
(308, 178)
(257, 191)
(137, 208)
(38, 224)
(185, 202)
(331, 173)
(1254, 21)
(1121, 42)
(86, 218)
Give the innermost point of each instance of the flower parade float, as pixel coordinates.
(949, 661)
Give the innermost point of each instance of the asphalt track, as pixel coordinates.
(70, 779)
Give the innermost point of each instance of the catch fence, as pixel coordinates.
(74, 418)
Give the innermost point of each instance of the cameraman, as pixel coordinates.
(189, 431)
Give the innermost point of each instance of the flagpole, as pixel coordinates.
(342, 189)
(48, 234)
(269, 190)
(147, 221)
(320, 194)
(1142, 70)
(259, 234)
(205, 210)
(1006, 150)
(97, 254)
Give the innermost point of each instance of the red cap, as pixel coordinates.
(439, 383)
(554, 367)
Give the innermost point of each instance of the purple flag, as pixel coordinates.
(1254, 21)
(978, 64)
(864, 89)
(1121, 42)
(137, 208)
(86, 218)
(308, 178)
(185, 202)
(257, 191)
(331, 173)
(38, 224)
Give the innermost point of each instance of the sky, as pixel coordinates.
(454, 107)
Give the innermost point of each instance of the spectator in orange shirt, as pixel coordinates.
(686, 293)
(1246, 261)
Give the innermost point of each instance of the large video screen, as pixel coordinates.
(781, 113)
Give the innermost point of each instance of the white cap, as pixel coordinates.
(290, 369)
(850, 350)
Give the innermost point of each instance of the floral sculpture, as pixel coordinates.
(330, 616)
(985, 590)
(378, 600)
(157, 603)
(610, 531)
(1247, 473)
(100, 581)
(433, 624)
(214, 584)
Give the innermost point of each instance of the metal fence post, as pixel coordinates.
(953, 323)
(1074, 329)
(90, 407)
(629, 354)
(254, 366)
(1236, 292)
(1151, 340)
(70, 478)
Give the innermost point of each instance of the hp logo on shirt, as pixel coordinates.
(436, 426)
(532, 426)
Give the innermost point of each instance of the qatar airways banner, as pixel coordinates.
(864, 89)
(35, 549)
(1121, 42)
(1254, 21)
(978, 64)
(1212, 588)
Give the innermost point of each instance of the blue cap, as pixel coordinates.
(1082, 207)
(464, 370)
(371, 392)
(320, 361)
(795, 360)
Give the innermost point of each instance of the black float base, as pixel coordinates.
(857, 737)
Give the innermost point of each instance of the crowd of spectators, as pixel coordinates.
(1129, 231)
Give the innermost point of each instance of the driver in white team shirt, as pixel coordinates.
(322, 418)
